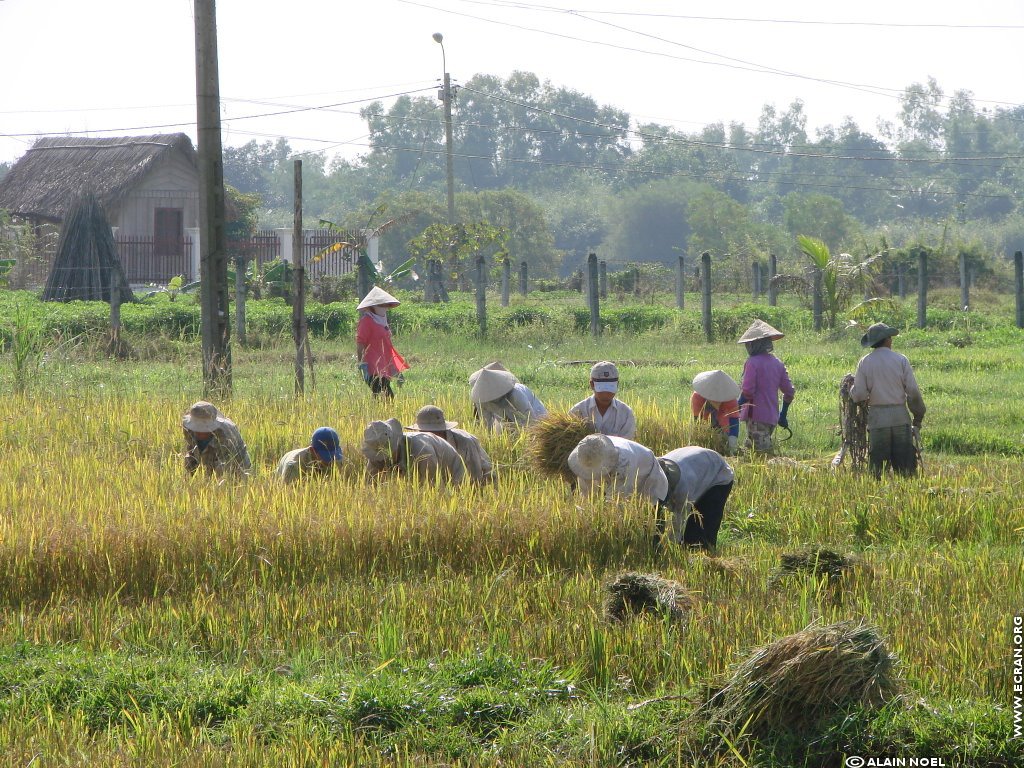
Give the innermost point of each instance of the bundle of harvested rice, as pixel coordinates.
(631, 593)
(664, 435)
(806, 678)
(552, 439)
(853, 427)
(817, 562)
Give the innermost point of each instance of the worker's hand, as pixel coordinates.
(733, 441)
(783, 419)
(915, 433)
(364, 371)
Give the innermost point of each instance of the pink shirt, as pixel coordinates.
(764, 376)
(380, 356)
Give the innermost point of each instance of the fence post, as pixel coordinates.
(363, 276)
(773, 270)
(965, 284)
(1018, 286)
(524, 283)
(481, 294)
(680, 282)
(602, 275)
(922, 288)
(115, 313)
(240, 298)
(506, 280)
(636, 281)
(705, 263)
(298, 285)
(593, 296)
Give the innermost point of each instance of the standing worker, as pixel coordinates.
(379, 361)
(501, 401)
(479, 467)
(764, 376)
(886, 381)
(213, 442)
(609, 415)
(319, 458)
(715, 399)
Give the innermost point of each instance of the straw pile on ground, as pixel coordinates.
(818, 562)
(552, 439)
(632, 593)
(806, 679)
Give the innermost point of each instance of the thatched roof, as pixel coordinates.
(56, 171)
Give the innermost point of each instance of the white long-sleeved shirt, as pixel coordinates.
(617, 421)
(700, 469)
(885, 378)
(636, 471)
(519, 407)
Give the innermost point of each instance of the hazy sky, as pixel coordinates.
(116, 67)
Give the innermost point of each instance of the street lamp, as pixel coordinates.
(446, 97)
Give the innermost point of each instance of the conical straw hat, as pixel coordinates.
(378, 297)
(759, 329)
(717, 386)
(491, 384)
(594, 457)
(495, 366)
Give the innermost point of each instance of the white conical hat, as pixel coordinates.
(495, 366)
(717, 386)
(594, 457)
(376, 297)
(491, 384)
(759, 329)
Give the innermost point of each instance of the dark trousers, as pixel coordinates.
(381, 387)
(893, 446)
(703, 523)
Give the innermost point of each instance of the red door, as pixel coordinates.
(168, 231)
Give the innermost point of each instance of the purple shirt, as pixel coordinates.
(764, 376)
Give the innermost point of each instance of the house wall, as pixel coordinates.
(174, 183)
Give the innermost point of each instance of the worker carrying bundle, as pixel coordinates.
(885, 381)
(715, 399)
(501, 401)
(609, 415)
(693, 483)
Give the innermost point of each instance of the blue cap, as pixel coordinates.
(326, 444)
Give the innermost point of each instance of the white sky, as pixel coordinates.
(68, 66)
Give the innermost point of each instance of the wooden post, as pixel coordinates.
(240, 262)
(965, 284)
(524, 282)
(681, 282)
(901, 283)
(115, 312)
(363, 282)
(213, 262)
(481, 295)
(705, 263)
(506, 280)
(773, 270)
(602, 277)
(298, 285)
(817, 309)
(922, 288)
(636, 281)
(1018, 286)
(593, 296)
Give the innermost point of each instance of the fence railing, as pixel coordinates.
(333, 264)
(146, 260)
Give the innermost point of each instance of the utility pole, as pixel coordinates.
(299, 280)
(446, 97)
(213, 260)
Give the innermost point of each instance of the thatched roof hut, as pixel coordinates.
(56, 171)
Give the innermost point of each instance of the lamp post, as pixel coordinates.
(446, 97)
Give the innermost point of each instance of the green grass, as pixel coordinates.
(149, 620)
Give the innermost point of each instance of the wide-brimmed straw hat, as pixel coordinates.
(876, 333)
(490, 385)
(759, 329)
(381, 439)
(203, 417)
(594, 457)
(717, 386)
(378, 297)
(495, 366)
(430, 418)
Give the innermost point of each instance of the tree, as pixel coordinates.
(651, 222)
(819, 216)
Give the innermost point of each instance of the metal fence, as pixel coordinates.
(144, 262)
(332, 263)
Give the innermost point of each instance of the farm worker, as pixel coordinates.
(501, 400)
(213, 442)
(430, 419)
(379, 361)
(422, 455)
(609, 415)
(318, 458)
(764, 376)
(691, 478)
(885, 380)
(714, 399)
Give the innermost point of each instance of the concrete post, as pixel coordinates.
(705, 262)
(681, 282)
(773, 270)
(593, 296)
(922, 288)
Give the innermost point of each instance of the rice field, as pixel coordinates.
(148, 619)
